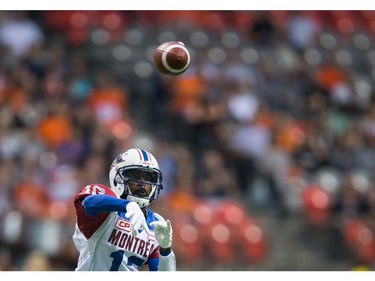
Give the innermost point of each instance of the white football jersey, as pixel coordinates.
(105, 242)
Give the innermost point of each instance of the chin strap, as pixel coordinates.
(167, 263)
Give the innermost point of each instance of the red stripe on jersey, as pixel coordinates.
(88, 225)
(155, 253)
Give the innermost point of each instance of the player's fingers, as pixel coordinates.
(129, 214)
(153, 224)
(169, 226)
(136, 221)
(159, 217)
(158, 224)
(134, 232)
(131, 217)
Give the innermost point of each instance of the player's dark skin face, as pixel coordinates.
(139, 188)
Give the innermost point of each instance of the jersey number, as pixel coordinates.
(93, 189)
(117, 259)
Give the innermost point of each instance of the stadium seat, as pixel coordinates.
(230, 212)
(316, 204)
(221, 243)
(360, 238)
(188, 244)
(251, 242)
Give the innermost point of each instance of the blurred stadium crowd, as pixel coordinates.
(273, 123)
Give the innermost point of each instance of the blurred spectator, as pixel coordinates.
(80, 84)
(314, 152)
(302, 30)
(168, 163)
(243, 102)
(315, 102)
(237, 72)
(108, 100)
(190, 111)
(92, 167)
(6, 181)
(371, 204)
(6, 260)
(262, 30)
(349, 203)
(56, 128)
(36, 261)
(19, 34)
(273, 169)
(62, 181)
(345, 154)
(31, 199)
(214, 178)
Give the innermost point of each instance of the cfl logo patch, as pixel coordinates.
(123, 225)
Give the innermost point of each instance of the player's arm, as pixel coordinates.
(167, 260)
(95, 199)
(100, 203)
(164, 262)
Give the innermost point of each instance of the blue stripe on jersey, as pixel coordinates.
(145, 156)
(99, 203)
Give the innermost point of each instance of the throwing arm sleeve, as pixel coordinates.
(99, 203)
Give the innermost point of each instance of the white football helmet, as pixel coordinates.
(135, 159)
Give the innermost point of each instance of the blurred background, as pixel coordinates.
(266, 142)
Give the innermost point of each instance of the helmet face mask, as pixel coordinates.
(139, 175)
(134, 175)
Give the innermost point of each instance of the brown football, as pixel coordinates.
(172, 58)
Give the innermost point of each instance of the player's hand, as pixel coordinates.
(163, 232)
(137, 218)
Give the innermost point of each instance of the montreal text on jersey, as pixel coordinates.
(130, 243)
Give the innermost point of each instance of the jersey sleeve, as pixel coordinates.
(157, 261)
(154, 259)
(89, 224)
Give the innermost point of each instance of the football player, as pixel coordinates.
(115, 229)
